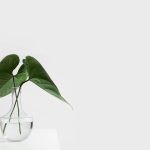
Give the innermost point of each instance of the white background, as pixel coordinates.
(98, 54)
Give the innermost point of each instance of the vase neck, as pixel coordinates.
(16, 101)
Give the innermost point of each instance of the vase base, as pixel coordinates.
(16, 132)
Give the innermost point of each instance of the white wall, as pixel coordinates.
(98, 53)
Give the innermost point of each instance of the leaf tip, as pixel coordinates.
(63, 99)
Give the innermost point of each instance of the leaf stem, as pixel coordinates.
(17, 106)
(16, 102)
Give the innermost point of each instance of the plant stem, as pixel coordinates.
(13, 109)
(17, 97)
(16, 102)
(17, 106)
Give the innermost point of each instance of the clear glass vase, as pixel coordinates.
(16, 125)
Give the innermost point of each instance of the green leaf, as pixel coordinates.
(47, 87)
(6, 84)
(22, 75)
(40, 77)
(9, 63)
(22, 69)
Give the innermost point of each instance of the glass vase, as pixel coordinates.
(16, 125)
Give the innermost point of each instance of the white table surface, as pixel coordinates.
(39, 140)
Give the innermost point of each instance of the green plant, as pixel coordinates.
(30, 70)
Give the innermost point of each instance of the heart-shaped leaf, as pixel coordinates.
(40, 77)
(7, 65)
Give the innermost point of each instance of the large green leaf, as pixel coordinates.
(9, 63)
(6, 84)
(22, 75)
(40, 77)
